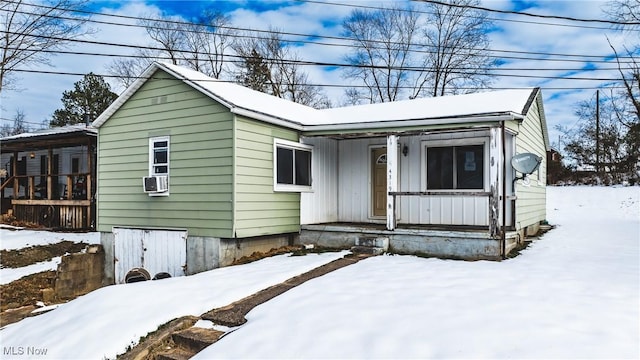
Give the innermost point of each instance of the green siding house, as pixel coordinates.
(194, 173)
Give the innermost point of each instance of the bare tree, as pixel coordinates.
(382, 46)
(202, 44)
(29, 30)
(458, 49)
(207, 43)
(167, 33)
(270, 59)
(615, 158)
(127, 70)
(623, 10)
(19, 125)
(399, 54)
(627, 108)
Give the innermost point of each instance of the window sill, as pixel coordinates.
(292, 188)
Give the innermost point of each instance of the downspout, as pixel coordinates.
(503, 235)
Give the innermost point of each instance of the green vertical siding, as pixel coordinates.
(258, 209)
(531, 202)
(201, 149)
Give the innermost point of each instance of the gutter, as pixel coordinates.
(415, 122)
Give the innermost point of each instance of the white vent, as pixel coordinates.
(155, 184)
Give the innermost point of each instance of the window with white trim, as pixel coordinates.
(159, 159)
(459, 167)
(159, 156)
(292, 166)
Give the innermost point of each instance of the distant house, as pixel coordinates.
(194, 173)
(49, 176)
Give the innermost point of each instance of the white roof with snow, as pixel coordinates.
(486, 106)
(54, 131)
(477, 104)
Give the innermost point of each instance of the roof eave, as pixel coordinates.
(510, 116)
(267, 118)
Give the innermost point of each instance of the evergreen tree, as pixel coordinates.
(89, 98)
(255, 74)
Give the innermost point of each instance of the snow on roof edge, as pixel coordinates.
(53, 131)
(264, 107)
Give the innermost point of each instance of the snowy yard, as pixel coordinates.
(575, 293)
(10, 239)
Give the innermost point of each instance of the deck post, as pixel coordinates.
(49, 171)
(14, 172)
(392, 179)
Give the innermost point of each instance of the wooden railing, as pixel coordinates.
(6, 183)
(76, 187)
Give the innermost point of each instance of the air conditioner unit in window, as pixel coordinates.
(155, 184)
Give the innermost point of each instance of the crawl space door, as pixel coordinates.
(154, 250)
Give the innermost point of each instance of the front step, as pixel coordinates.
(189, 342)
(367, 250)
(371, 245)
(175, 354)
(195, 339)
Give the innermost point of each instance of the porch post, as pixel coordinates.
(392, 179)
(495, 172)
(49, 171)
(14, 172)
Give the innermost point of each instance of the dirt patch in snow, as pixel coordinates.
(38, 253)
(26, 290)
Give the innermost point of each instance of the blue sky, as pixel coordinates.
(41, 94)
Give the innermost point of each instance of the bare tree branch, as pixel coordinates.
(29, 29)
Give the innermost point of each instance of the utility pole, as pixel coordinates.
(598, 132)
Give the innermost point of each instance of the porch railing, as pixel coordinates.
(75, 187)
(493, 221)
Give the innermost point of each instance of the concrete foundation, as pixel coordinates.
(233, 249)
(203, 253)
(468, 245)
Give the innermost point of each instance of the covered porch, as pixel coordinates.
(49, 177)
(436, 192)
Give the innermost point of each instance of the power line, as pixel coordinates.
(241, 59)
(93, 42)
(611, 22)
(273, 32)
(470, 16)
(330, 85)
(522, 13)
(585, 58)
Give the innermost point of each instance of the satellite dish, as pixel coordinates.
(526, 163)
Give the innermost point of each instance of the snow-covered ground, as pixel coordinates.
(575, 293)
(572, 294)
(8, 275)
(18, 239)
(12, 238)
(104, 322)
